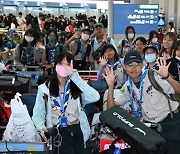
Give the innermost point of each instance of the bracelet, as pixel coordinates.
(166, 77)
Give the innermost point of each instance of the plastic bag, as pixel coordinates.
(2, 66)
(20, 127)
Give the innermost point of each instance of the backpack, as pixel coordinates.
(96, 54)
(11, 83)
(10, 44)
(5, 112)
(173, 97)
(22, 53)
(82, 64)
(88, 50)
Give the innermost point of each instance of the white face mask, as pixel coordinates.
(85, 37)
(150, 57)
(178, 58)
(130, 35)
(29, 38)
(154, 40)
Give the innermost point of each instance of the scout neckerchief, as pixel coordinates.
(154, 66)
(29, 55)
(138, 111)
(52, 52)
(62, 102)
(114, 66)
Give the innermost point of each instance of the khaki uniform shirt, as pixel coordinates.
(73, 47)
(155, 105)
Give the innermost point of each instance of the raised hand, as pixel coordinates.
(168, 56)
(163, 67)
(39, 46)
(103, 61)
(109, 76)
(105, 38)
(77, 35)
(70, 68)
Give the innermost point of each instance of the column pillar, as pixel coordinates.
(110, 18)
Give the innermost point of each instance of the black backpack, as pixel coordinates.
(96, 54)
(82, 64)
(88, 50)
(173, 97)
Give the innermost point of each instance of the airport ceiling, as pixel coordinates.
(57, 3)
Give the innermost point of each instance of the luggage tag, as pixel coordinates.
(63, 121)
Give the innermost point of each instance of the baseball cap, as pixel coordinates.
(150, 47)
(98, 25)
(132, 56)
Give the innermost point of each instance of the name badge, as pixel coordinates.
(63, 121)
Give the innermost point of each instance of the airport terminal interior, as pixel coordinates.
(90, 76)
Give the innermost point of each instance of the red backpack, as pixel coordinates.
(5, 112)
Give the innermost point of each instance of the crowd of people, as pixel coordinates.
(124, 67)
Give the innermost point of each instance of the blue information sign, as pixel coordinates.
(143, 18)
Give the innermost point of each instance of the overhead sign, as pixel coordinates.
(143, 18)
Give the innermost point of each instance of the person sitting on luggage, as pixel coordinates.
(109, 58)
(80, 48)
(58, 103)
(28, 52)
(148, 104)
(150, 56)
(52, 50)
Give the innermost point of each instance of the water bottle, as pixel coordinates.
(117, 150)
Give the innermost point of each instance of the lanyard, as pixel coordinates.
(138, 111)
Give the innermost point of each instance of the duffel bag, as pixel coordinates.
(141, 138)
(11, 84)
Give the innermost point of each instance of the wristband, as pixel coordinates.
(166, 77)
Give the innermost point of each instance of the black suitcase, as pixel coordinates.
(142, 139)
